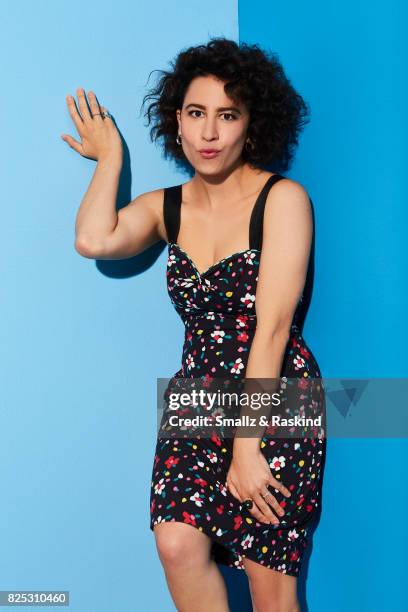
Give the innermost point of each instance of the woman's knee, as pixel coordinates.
(179, 543)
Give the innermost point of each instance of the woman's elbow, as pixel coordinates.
(87, 248)
(273, 333)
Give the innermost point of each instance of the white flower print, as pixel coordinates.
(197, 499)
(247, 541)
(223, 489)
(292, 535)
(237, 367)
(218, 412)
(206, 286)
(213, 457)
(248, 300)
(277, 463)
(184, 282)
(190, 361)
(171, 260)
(218, 335)
(299, 361)
(249, 256)
(158, 487)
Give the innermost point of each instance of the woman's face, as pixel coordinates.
(209, 119)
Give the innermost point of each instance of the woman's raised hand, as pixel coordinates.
(100, 138)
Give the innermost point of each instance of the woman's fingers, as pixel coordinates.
(100, 139)
(262, 517)
(273, 503)
(75, 116)
(278, 486)
(234, 491)
(94, 105)
(265, 509)
(83, 105)
(74, 144)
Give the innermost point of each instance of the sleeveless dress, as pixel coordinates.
(188, 482)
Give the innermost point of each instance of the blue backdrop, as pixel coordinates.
(349, 61)
(83, 342)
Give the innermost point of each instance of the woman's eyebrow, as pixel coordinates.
(220, 108)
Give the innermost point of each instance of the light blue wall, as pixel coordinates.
(348, 60)
(82, 344)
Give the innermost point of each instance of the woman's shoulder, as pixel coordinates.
(288, 195)
(288, 187)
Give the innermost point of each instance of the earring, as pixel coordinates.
(178, 139)
(248, 142)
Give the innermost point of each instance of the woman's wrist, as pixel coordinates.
(111, 161)
(246, 446)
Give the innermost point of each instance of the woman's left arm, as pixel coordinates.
(286, 243)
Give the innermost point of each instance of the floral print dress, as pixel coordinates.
(188, 481)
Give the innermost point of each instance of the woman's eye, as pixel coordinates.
(223, 114)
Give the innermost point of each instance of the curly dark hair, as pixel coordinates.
(253, 77)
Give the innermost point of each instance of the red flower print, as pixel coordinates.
(201, 482)
(189, 518)
(216, 439)
(241, 320)
(303, 383)
(237, 521)
(170, 461)
(303, 351)
(243, 337)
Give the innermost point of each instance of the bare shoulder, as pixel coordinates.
(287, 196)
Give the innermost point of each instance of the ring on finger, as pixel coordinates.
(104, 114)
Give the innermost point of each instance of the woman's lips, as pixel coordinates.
(209, 154)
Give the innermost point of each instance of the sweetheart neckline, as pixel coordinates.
(214, 265)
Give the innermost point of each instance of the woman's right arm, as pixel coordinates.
(101, 232)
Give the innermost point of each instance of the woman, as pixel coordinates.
(238, 235)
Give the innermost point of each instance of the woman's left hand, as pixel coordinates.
(248, 477)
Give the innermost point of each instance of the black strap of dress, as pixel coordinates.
(257, 215)
(172, 207)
